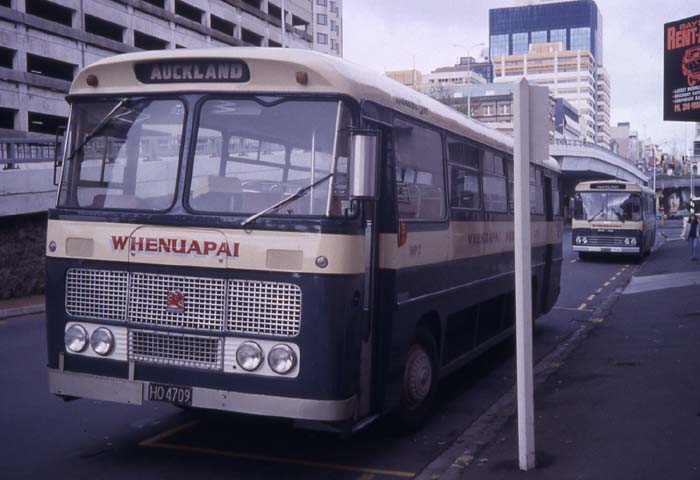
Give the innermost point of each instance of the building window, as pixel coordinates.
(7, 57)
(322, 38)
(581, 38)
(519, 43)
(221, 25)
(334, 26)
(274, 11)
(332, 44)
(504, 109)
(488, 110)
(48, 67)
(558, 36)
(322, 19)
(499, 45)
(103, 28)
(50, 11)
(148, 42)
(322, 3)
(334, 7)
(253, 3)
(538, 37)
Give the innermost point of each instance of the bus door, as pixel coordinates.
(375, 294)
(549, 248)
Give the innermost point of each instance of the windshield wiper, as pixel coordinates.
(285, 200)
(593, 217)
(98, 128)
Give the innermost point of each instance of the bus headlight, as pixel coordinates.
(102, 341)
(578, 239)
(249, 356)
(633, 241)
(281, 359)
(584, 240)
(627, 241)
(76, 338)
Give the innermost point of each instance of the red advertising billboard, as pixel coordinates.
(682, 70)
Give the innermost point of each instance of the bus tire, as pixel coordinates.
(418, 381)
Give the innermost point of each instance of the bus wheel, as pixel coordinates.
(418, 381)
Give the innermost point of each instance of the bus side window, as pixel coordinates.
(556, 201)
(420, 174)
(495, 183)
(465, 185)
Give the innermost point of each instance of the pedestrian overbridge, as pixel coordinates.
(582, 161)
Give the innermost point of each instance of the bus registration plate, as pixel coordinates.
(170, 393)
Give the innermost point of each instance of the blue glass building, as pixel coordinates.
(576, 24)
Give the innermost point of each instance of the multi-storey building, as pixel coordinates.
(559, 44)
(43, 43)
(328, 26)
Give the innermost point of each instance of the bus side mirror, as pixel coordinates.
(572, 204)
(363, 164)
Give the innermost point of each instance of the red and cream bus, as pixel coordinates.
(280, 233)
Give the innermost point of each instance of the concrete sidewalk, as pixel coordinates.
(16, 307)
(625, 404)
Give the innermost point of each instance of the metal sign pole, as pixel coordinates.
(523, 278)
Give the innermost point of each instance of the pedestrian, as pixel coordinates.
(691, 233)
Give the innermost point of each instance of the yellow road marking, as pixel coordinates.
(574, 260)
(606, 284)
(287, 461)
(574, 309)
(599, 290)
(591, 297)
(597, 320)
(150, 441)
(582, 306)
(366, 476)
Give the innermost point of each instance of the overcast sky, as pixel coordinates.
(388, 34)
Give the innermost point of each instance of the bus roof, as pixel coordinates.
(612, 185)
(274, 70)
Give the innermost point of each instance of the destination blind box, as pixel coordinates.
(192, 71)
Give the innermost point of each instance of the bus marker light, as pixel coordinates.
(92, 80)
(403, 233)
(321, 262)
(302, 78)
(52, 246)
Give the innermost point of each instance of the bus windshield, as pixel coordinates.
(252, 154)
(125, 154)
(608, 206)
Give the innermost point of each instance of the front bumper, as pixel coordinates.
(582, 248)
(135, 392)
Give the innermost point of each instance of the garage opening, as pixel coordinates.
(50, 11)
(48, 67)
(43, 123)
(221, 25)
(103, 28)
(148, 42)
(251, 37)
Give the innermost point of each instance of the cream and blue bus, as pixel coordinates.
(613, 217)
(280, 233)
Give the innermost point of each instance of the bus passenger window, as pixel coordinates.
(420, 175)
(465, 189)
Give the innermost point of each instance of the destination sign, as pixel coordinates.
(608, 186)
(192, 71)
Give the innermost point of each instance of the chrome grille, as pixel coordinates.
(98, 294)
(605, 241)
(176, 349)
(204, 301)
(269, 308)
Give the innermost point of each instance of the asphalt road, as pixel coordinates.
(45, 437)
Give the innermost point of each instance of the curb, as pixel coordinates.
(21, 311)
(452, 463)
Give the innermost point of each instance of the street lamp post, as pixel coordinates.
(469, 71)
